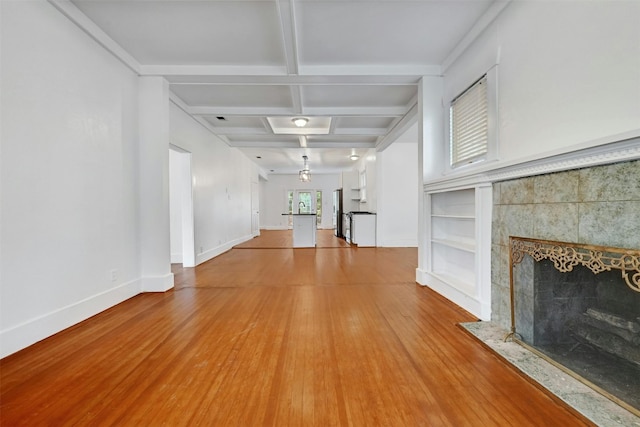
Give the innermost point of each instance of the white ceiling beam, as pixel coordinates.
(265, 144)
(286, 12)
(393, 111)
(241, 111)
(76, 16)
(343, 132)
(249, 77)
(267, 125)
(296, 144)
(338, 144)
(368, 69)
(332, 126)
(398, 129)
(207, 70)
(296, 99)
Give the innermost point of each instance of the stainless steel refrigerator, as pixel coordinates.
(337, 213)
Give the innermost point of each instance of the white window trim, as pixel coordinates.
(492, 136)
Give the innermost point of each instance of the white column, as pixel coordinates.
(431, 150)
(155, 244)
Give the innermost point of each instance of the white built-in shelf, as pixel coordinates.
(459, 227)
(453, 237)
(468, 245)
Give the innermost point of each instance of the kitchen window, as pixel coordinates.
(304, 201)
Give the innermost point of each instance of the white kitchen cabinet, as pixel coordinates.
(304, 230)
(363, 229)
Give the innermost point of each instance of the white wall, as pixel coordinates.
(175, 208)
(221, 187)
(568, 77)
(153, 183)
(262, 192)
(275, 192)
(397, 194)
(69, 226)
(76, 145)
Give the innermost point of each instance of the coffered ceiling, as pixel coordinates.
(233, 64)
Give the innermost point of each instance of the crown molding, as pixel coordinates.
(76, 16)
(481, 24)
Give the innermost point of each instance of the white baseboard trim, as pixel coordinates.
(176, 258)
(30, 332)
(399, 243)
(472, 304)
(219, 250)
(156, 283)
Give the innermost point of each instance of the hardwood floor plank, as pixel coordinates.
(314, 337)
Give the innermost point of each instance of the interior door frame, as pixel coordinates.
(185, 183)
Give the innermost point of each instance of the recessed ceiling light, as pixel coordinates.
(300, 121)
(285, 125)
(354, 157)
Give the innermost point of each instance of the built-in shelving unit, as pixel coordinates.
(355, 194)
(459, 246)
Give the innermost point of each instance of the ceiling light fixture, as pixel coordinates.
(300, 121)
(305, 173)
(354, 157)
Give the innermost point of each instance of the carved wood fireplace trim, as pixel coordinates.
(565, 256)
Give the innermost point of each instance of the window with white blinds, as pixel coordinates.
(469, 124)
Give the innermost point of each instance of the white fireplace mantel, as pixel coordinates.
(623, 147)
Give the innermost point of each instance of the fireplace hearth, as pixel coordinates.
(578, 306)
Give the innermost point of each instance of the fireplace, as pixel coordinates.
(578, 306)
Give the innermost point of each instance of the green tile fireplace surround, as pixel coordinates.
(596, 205)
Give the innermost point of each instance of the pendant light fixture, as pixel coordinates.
(305, 173)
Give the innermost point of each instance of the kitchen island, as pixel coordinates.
(304, 230)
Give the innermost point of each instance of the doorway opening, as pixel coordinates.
(304, 202)
(181, 208)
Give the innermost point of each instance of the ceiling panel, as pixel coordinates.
(384, 32)
(264, 140)
(192, 32)
(358, 96)
(234, 96)
(354, 63)
(346, 140)
(363, 123)
(255, 124)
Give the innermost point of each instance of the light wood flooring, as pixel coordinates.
(276, 337)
